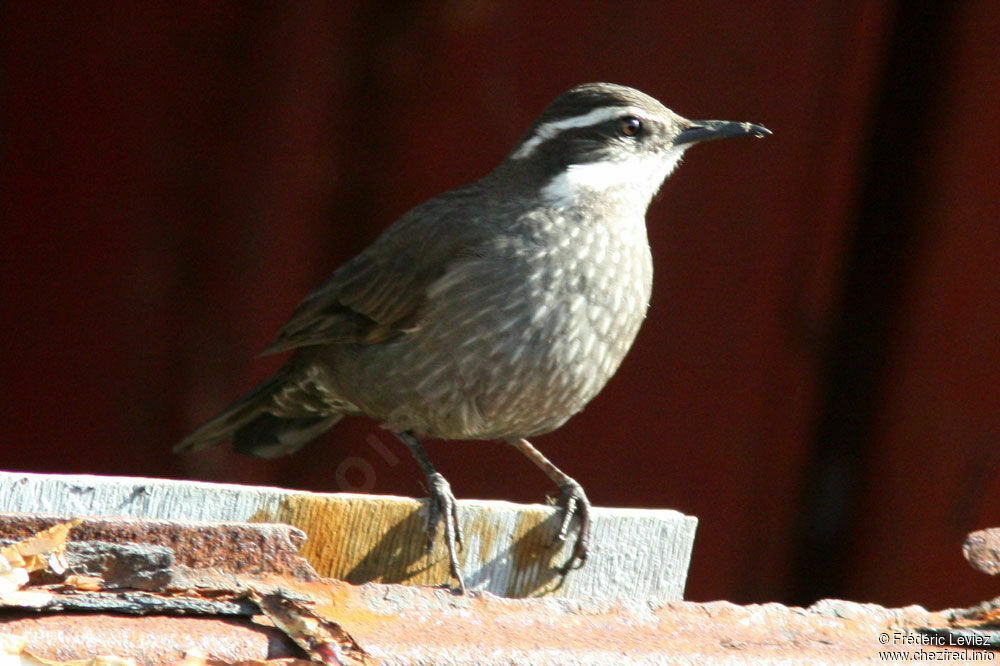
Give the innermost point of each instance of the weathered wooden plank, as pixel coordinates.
(636, 555)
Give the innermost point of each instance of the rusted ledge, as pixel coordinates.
(218, 616)
(637, 555)
(406, 626)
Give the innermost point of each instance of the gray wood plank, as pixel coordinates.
(637, 555)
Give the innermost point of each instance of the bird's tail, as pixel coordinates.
(254, 429)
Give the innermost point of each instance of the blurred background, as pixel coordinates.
(818, 379)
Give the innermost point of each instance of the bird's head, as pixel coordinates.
(608, 141)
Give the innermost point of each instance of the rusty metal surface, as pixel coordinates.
(982, 550)
(405, 626)
(322, 639)
(148, 640)
(978, 625)
(136, 566)
(229, 547)
(129, 602)
(341, 623)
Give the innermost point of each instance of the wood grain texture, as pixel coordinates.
(637, 555)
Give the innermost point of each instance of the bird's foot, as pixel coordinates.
(442, 507)
(572, 503)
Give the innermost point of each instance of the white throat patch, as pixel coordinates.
(638, 178)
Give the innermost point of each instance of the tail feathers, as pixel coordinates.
(254, 429)
(270, 436)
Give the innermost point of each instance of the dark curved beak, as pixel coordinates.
(706, 130)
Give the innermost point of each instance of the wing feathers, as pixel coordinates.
(379, 293)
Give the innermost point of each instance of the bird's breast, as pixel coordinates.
(594, 291)
(532, 328)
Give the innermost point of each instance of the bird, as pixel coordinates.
(494, 311)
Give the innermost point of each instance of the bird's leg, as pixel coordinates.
(572, 502)
(442, 506)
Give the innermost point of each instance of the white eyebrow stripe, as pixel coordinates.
(549, 130)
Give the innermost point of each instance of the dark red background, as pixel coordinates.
(819, 376)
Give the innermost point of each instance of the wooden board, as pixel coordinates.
(637, 555)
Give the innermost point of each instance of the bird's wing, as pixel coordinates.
(379, 293)
(366, 301)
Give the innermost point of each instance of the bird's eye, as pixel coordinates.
(631, 126)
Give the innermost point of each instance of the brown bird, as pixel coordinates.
(495, 311)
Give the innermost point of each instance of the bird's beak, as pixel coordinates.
(706, 130)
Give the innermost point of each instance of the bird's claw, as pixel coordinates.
(572, 503)
(442, 507)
